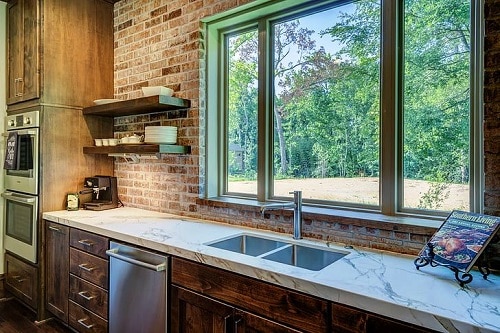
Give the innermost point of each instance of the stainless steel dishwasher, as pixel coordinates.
(137, 290)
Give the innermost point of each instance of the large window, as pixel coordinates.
(359, 104)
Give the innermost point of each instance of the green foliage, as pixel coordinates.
(434, 197)
(327, 105)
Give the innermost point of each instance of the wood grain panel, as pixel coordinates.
(89, 242)
(193, 313)
(85, 321)
(63, 165)
(279, 304)
(21, 280)
(89, 267)
(57, 266)
(89, 296)
(346, 319)
(77, 42)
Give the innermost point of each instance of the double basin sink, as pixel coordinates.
(303, 256)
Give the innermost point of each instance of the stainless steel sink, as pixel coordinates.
(248, 244)
(306, 257)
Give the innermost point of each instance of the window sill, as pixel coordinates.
(412, 224)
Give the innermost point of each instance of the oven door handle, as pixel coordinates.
(29, 132)
(18, 197)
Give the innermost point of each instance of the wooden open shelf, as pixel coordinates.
(150, 104)
(138, 149)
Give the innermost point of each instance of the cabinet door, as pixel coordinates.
(23, 57)
(57, 268)
(193, 313)
(346, 319)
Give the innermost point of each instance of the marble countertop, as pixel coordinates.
(376, 281)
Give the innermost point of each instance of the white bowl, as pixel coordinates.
(157, 90)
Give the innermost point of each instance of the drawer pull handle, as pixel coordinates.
(54, 229)
(81, 322)
(85, 268)
(85, 242)
(83, 295)
(18, 278)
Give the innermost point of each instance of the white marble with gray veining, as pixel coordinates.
(375, 281)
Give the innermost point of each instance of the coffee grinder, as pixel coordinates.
(104, 192)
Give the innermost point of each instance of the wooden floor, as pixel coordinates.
(16, 318)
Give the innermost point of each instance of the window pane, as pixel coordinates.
(326, 104)
(241, 101)
(436, 104)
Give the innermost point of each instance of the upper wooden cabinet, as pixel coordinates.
(23, 59)
(59, 52)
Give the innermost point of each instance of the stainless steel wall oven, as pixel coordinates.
(21, 184)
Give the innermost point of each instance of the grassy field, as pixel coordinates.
(359, 190)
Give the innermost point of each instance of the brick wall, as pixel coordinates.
(492, 119)
(159, 43)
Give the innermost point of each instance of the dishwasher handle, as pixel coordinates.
(114, 253)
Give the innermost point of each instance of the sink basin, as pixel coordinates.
(248, 244)
(306, 257)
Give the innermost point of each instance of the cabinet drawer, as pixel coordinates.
(89, 267)
(21, 280)
(89, 242)
(89, 296)
(85, 321)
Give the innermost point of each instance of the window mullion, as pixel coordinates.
(389, 108)
(265, 127)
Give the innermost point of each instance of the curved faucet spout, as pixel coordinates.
(296, 205)
(276, 206)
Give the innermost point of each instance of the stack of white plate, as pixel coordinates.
(160, 134)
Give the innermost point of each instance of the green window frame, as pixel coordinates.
(259, 14)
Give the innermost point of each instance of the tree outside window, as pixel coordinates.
(325, 79)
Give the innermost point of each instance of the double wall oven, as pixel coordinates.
(21, 172)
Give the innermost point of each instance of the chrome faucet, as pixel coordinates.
(296, 205)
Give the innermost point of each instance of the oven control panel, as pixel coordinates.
(22, 120)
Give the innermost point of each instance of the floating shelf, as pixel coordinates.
(150, 104)
(142, 149)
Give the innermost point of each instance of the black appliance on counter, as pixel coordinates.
(104, 192)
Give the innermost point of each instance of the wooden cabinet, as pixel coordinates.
(221, 301)
(347, 319)
(59, 52)
(57, 264)
(77, 278)
(89, 279)
(23, 70)
(60, 59)
(207, 299)
(192, 312)
(21, 279)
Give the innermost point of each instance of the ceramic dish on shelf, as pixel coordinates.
(161, 138)
(162, 142)
(157, 90)
(131, 143)
(106, 101)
